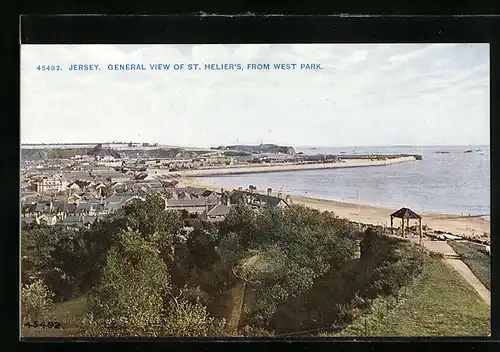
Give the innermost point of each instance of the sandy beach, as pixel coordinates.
(375, 215)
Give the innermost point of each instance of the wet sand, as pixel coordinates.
(376, 215)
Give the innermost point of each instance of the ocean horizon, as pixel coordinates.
(449, 179)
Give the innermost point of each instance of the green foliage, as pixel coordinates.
(150, 218)
(252, 331)
(282, 251)
(135, 296)
(387, 265)
(36, 301)
(37, 244)
(130, 298)
(194, 258)
(479, 262)
(132, 262)
(188, 320)
(154, 223)
(439, 302)
(46, 253)
(241, 220)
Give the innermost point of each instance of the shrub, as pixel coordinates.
(251, 331)
(282, 251)
(131, 296)
(36, 300)
(187, 319)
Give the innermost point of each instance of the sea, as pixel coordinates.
(448, 179)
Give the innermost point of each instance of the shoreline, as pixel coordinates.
(290, 167)
(458, 225)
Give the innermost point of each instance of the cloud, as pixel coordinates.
(363, 95)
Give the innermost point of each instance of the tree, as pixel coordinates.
(242, 221)
(130, 299)
(155, 224)
(37, 244)
(136, 298)
(36, 301)
(282, 251)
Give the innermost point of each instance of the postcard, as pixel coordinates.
(255, 190)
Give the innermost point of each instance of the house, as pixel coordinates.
(69, 209)
(194, 200)
(96, 208)
(62, 209)
(28, 196)
(112, 207)
(48, 219)
(83, 207)
(193, 206)
(74, 199)
(155, 185)
(145, 177)
(143, 190)
(84, 184)
(118, 186)
(79, 221)
(73, 187)
(217, 213)
(29, 220)
(102, 189)
(258, 200)
(48, 212)
(42, 208)
(54, 183)
(28, 210)
(117, 201)
(121, 197)
(41, 212)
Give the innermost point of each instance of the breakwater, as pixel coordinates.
(359, 161)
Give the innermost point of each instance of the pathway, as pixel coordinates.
(452, 259)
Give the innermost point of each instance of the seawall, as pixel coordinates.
(292, 167)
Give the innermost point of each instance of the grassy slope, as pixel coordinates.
(478, 262)
(439, 303)
(67, 313)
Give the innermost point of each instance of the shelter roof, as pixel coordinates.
(406, 213)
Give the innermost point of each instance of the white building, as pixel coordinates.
(54, 183)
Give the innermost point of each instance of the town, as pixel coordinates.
(60, 186)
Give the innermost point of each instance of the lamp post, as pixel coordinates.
(359, 221)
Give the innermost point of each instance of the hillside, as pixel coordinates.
(259, 149)
(427, 307)
(60, 153)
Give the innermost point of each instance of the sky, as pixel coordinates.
(365, 95)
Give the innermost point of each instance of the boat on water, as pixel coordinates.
(468, 151)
